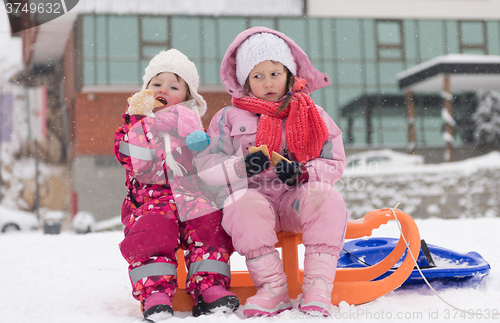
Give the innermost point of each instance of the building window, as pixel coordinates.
(472, 37)
(110, 50)
(389, 40)
(154, 33)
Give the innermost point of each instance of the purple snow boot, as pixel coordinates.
(319, 274)
(215, 299)
(270, 279)
(157, 307)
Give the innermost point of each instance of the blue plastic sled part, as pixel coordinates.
(443, 264)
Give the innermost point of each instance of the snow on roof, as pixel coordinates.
(195, 7)
(52, 36)
(467, 73)
(450, 59)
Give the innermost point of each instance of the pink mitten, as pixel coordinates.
(184, 119)
(188, 121)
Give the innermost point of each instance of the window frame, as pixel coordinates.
(464, 46)
(380, 46)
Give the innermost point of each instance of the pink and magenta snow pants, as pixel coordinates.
(153, 234)
(253, 217)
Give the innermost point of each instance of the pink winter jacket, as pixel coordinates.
(232, 131)
(315, 79)
(140, 148)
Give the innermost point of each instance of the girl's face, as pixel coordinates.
(268, 80)
(168, 89)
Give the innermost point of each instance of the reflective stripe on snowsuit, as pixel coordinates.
(136, 151)
(154, 228)
(154, 269)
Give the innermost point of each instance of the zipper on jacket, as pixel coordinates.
(137, 205)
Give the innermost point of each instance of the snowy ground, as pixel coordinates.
(83, 278)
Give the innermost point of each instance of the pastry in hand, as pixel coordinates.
(262, 148)
(276, 158)
(143, 103)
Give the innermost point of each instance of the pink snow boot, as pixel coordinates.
(319, 274)
(157, 307)
(215, 299)
(270, 279)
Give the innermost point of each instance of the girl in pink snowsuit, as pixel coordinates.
(270, 78)
(165, 209)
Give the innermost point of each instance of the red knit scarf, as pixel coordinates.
(306, 132)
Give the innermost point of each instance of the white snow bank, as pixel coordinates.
(83, 278)
(466, 167)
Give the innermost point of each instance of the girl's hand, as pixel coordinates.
(252, 164)
(291, 173)
(141, 103)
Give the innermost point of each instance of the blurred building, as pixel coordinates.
(92, 58)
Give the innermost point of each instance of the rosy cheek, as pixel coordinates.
(175, 99)
(154, 89)
(256, 90)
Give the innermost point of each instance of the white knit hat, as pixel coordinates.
(262, 47)
(176, 62)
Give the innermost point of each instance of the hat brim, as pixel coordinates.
(201, 104)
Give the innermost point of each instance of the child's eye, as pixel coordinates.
(257, 76)
(275, 74)
(174, 88)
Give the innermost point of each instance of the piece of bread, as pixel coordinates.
(276, 158)
(141, 103)
(262, 148)
(158, 104)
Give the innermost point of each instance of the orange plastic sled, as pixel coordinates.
(353, 285)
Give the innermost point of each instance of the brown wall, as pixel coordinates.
(215, 102)
(98, 115)
(68, 62)
(29, 38)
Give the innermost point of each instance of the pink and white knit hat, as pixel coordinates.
(174, 61)
(262, 47)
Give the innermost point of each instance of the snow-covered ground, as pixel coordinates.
(83, 278)
(72, 278)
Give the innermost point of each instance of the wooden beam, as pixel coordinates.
(410, 117)
(448, 127)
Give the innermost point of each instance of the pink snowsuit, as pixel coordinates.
(256, 208)
(164, 211)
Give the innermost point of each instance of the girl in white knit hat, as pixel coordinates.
(270, 78)
(165, 209)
